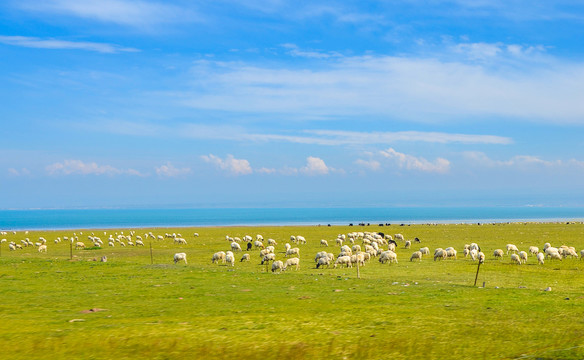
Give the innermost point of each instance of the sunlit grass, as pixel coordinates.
(407, 310)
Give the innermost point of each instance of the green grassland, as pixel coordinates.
(422, 310)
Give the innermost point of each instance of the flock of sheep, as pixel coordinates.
(354, 248)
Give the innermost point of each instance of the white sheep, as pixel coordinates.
(300, 239)
(481, 257)
(498, 253)
(425, 251)
(277, 265)
(523, 257)
(440, 254)
(323, 242)
(388, 256)
(515, 258)
(450, 252)
(220, 255)
(322, 262)
(287, 246)
(511, 247)
(533, 250)
(357, 248)
(398, 237)
(43, 248)
(79, 245)
(180, 256)
(416, 255)
(245, 257)
(391, 247)
(343, 260)
(230, 258)
(258, 244)
(272, 242)
(408, 244)
(292, 262)
(235, 246)
(540, 258)
(293, 251)
(268, 258)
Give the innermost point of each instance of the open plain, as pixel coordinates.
(140, 304)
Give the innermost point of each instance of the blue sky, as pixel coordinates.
(120, 103)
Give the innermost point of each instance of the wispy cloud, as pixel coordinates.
(230, 164)
(410, 162)
(169, 170)
(316, 137)
(294, 50)
(33, 42)
(430, 90)
(520, 161)
(134, 13)
(78, 167)
(18, 172)
(372, 165)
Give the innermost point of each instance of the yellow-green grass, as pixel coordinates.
(408, 310)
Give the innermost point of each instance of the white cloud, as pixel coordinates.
(18, 172)
(32, 42)
(317, 137)
(372, 165)
(428, 89)
(267, 171)
(294, 50)
(410, 162)
(520, 161)
(78, 167)
(169, 170)
(230, 164)
(315, 166)
(135, 13)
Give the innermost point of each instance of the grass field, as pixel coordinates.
(426, 309)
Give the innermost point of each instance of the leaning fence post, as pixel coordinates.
(477, 276)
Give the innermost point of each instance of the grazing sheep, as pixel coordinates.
(300, 239)
(474, 246)
(249, 245)
(440, 254)
(271, 249)
(416, 255)
(230, 258)
(277, 265)
(258, 244)
(425, 251)
(540, 258)
(339, 241)
(292, 262)
(513, 248)
(180, 256)
(533, 250)
(388, 256)
(178, 241)
(546, 245)
(498, 253)
(581, 254)
(398, 237)
(43, 248)
(235, 246)
(358, 259)
(12, 247)
(450, 252)
(391, 246)
(322, 262)
(523, 257)
(357, 248)
(481, 257)
(245, 257)
(319, 255)
(268, 258)
(515, 258)
(79, 245)
(272, 242)
(140, 243)
(220, 255)
(408, 244)
(343, 260)
(293, 251)
(323, 242)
